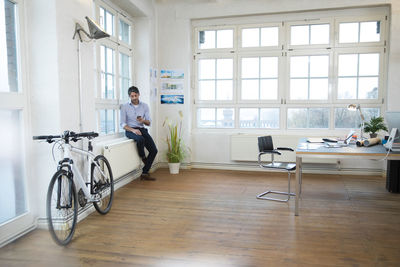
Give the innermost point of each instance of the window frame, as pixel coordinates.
(118, 46)
(260, 48)
(383, 30)
(287, 50)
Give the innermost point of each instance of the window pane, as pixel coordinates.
(269, 36)
(109, 87)
(124, 84)
(250, 89)
(109, 23)
(299, 35)
(8, 46)
(348, 65)
(308, 118)
(269, 89)
(224, 38)
(124, 32)
(206, 39)
(103, 58)
(347, 88)
(224, 90)
(348, 32)
(109, 60)
(250, 37)
(296, 118)
(206, 69)
(345, 118)
(319, 66)
(269, 118)
(369, 64)
(124, 65)
(206, 117)
(225, 117)
(103, 85)
(369, 113)
(12, 192)
(318, 118)
(269, 67)
(299, 89)
(368, 88)
(370, 31)
(103, 122)
(248, 117)
(318, 89)
(207, 90)
(299, 66)
(224, 68)
(250, 67)
(320, 34)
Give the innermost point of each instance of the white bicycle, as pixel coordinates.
(62, 198)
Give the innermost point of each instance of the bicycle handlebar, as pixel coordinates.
(67, 135)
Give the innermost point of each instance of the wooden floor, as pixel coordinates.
(212, 218)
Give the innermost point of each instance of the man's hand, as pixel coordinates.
(136, 131)
(140, 119)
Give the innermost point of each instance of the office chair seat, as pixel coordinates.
(265, 146)
(281, 165)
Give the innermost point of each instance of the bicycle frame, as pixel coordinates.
(77, 176)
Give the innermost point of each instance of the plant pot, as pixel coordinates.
(174, 167)
(373, 135)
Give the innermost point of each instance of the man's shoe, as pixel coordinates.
(147, 177)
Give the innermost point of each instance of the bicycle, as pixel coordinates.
(62, 198)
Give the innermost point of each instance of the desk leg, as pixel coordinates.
(298, 184)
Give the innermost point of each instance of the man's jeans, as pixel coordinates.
(143, 141)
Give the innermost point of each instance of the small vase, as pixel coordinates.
(174, 168)
(373, 135)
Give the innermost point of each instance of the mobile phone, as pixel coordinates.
(138, 117)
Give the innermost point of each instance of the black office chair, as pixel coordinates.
(265, 146)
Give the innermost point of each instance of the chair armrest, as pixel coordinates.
(284, 148)
(270, 152)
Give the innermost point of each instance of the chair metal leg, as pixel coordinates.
(288, 194)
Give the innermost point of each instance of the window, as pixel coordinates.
(309, 34)
(114, 63)
(216, 118)
(215, 39)
(124, 32)
(259, 78)
(216, 79)
(256, 37)
(15, 216)
(9, 72)
(107, 121)
(290, 75)
(309, 77)
(358, 76)
(359, 32)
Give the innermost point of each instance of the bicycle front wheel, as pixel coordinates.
(62, 207)
(102, 184)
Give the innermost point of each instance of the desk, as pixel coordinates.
(313, 150)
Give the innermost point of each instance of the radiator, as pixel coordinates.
(244, 147)
(122, 155)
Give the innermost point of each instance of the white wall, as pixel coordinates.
(174, 39)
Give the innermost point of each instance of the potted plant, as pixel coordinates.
(176, 149)
(375, 125)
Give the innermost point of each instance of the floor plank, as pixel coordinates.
(212, 218)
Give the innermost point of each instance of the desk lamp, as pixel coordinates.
(355, 107)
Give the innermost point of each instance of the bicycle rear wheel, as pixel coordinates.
(62, 207)
(102, 183)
